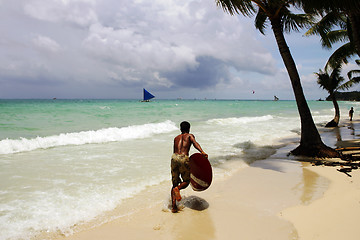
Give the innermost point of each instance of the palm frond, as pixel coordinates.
(323, 79)
(332, 82)
(325, 24)
(316, 6)
(295, 22)
(260, 21)
(338, 36)
(244, 7)
(349, 83)
(341, 55)
(334, 37)
(336, 77)
(351, 73)
(349, 28)
(354, 75)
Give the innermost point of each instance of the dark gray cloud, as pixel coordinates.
(209, 72)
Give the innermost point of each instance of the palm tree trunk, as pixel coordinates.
(337, 110)
(335, 121)
(355, 27)
(310, 142)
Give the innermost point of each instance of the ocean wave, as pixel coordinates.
(240, 120)
(8, 146)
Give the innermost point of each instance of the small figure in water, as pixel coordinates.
(351, 113)
(180, 162)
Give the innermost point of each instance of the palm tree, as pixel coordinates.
(325, 28)
(334, 82)
(278, 13)
(349, 8)
(331, 83)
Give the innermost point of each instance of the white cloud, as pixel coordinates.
(129, 48)
(46, 43)
(80, 12)
(170, 36)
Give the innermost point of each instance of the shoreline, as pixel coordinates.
(222, 212)
(276, 198)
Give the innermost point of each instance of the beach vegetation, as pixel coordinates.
(346, 96)
(278, 14)
(344, 14)
(354, 75)
(340, 22)
(331, 83)
(335, 27)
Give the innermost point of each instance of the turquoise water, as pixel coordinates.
(31, 118)
(68, 161)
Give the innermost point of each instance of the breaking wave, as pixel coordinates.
(240, 120)
(8, 146)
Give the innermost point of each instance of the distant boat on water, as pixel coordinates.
(147, 96)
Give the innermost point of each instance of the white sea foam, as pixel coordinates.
(240, 120)
(28, 217)
(8, 146)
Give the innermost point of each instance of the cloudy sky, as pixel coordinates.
(114, 48)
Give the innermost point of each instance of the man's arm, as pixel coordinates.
(197, 145)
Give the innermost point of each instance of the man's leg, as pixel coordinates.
(175, 195)
(174, 208)
(177, 189)
(183, 185)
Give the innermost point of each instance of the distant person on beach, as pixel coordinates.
(180, 162)
(351, 113)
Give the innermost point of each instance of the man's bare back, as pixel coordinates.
(182, 144)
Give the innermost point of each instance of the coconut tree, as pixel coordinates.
(348, 8)
(332, 83)
(278, 14)
(335, 27)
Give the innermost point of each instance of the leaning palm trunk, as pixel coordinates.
(310, 142)
(335, 121)
(355, 23)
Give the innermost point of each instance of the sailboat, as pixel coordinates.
(147, 96)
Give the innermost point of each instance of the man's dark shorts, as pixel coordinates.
(180, 166)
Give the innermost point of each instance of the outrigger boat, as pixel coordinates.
(147, 96)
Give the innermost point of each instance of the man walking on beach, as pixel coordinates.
(180, 162)
(351, 113)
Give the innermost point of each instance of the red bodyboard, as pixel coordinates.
(200, 172)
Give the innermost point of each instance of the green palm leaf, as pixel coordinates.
(294, 22)
(244, 7)
(341, 55)
(351, 73)
(260, 21)
(334, 37)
